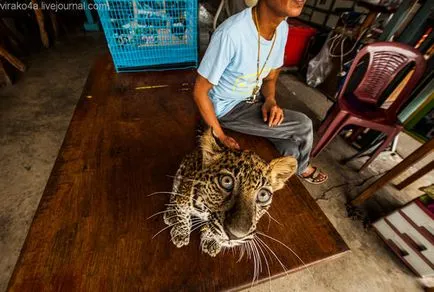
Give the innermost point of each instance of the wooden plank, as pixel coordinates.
(415, 176)
(90, 231)
(5, 79)
(54, 23)
(14, 61)
(41, 24)
(417, 155)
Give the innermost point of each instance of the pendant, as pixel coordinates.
(254, 97)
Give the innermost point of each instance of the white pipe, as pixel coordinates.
(228, 11)
(216, 17)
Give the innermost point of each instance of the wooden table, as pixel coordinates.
(129, 132)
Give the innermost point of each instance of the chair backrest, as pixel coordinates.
(386, 61)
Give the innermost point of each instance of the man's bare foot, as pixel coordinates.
(314, 176)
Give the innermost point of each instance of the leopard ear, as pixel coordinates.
(281, 169)
(211, 150)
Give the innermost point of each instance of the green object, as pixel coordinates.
(90, 24)
(425, 199)
(429, 194)
(397, 18)
(412, 126)
(416, 103)
(412, 33)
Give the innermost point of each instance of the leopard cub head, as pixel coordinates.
(236, 189)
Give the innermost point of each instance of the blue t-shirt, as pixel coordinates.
(230, 62)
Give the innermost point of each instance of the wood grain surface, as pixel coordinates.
(127, 137)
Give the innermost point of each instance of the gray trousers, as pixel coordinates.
(293, 137)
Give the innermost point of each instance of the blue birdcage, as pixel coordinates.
(150, 34)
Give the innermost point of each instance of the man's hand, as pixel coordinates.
(272, 113)
(206, 108)
(229, 142)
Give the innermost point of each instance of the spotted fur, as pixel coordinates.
(224, 193)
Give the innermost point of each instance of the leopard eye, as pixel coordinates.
(226, 182)
(263, 196)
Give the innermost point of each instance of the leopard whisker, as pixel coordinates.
(266, 250)
(180, 195)
(177, 208)
(202, 242)
(191, 198)
(272, 218)
(197, 224)
(258, 261)
(269, 221)
(266, 262)
(197, 227)
(241, 251)
(165, 228)
(244, 250)
(158, 213)
(175, 194)
(170, 193)
(219, 232)
(278, 241)
(187, 178)
(254, 262)
(248, 251)
(274, 254)
(161, 193)
(174, 216)
(194, 224)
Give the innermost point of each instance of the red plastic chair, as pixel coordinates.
(361, 107)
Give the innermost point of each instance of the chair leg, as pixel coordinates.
(332, 129)
(330, 117)
(380, 148)
(366, 150)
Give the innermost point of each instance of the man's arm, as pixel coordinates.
(271, 112)
(206, 109)
(269, 84)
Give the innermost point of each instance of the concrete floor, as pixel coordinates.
(34, 116)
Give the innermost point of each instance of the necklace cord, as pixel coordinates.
(259, 72)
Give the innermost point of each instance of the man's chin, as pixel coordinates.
(295, 8)
(294, 12)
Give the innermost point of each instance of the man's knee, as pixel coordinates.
(306, 122)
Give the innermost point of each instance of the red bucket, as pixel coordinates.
(299, 35)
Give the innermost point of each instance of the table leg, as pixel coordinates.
(54, 23)
(12, 59)
(4, 77)
(395, 171)
(90, 24)
(41, 24)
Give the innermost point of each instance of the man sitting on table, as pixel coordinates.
(236, 85)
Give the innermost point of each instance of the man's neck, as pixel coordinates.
(268, 20)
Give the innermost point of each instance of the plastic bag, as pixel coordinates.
(319, 67)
